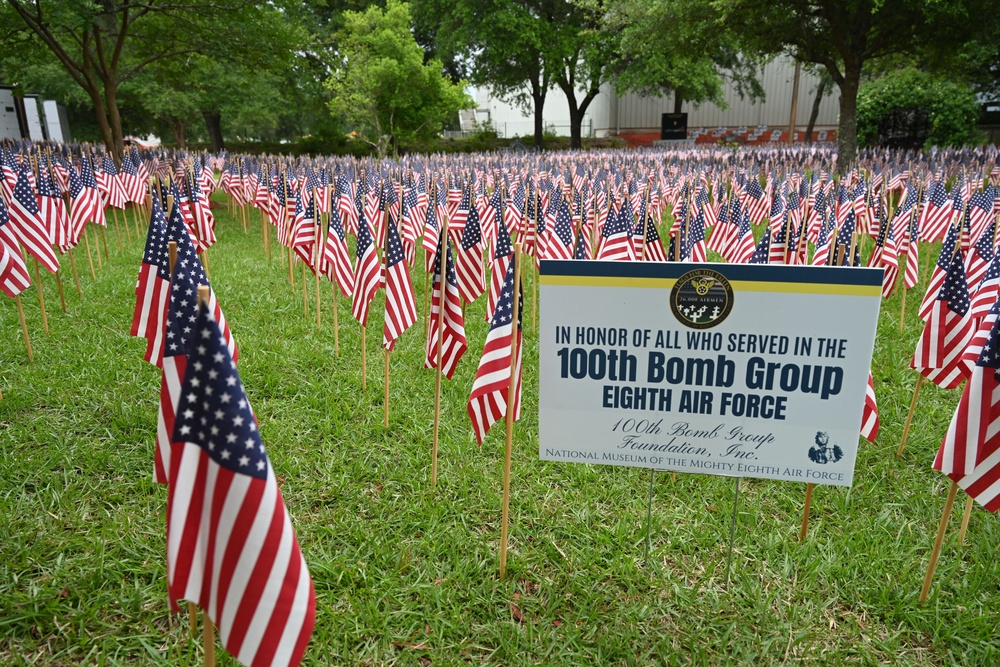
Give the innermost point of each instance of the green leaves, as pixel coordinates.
(382, 88)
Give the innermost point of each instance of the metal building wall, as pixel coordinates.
(608, 114)
(643, 113)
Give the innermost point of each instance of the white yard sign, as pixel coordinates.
(725, 369)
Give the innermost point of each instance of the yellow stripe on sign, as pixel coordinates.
(738, 285)
(806, 288)
(608, 281)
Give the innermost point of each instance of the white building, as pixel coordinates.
(640, 117)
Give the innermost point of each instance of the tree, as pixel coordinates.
(846, 37)
(102, 45)
(949, 107)
(507, 42)
(382, 88)
(578, 55)
(679, 47)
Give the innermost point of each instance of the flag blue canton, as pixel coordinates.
(183, 308)
(504, 248)
(564, 225)
(23, 193)
(394, 247)
(213, 411)
(955, 290)
(472, 235)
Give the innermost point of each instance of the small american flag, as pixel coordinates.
(14, 277)
(469, 266)
(400, 305)
(153, 284)
(869, 416)
(488, 400)
(27, 224)
(366, 274)
(231, 547)
(947, 332)
(446, 314)
(970, 451)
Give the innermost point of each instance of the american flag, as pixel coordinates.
(182, 310)
(469, 259)
(204, 220)
(757, 204)
(52, 211)
(27, 225)
(947, 332)
(446, 313)
(400, 305)
(980, 212)
(742, 247)
(987, 291)
(187, 259)
(153, 284)
(762, 254)
(304, 229)
(936, 214)
(366, 274)
(869, 416)
(90, 185)
(560, 236)
(616, 243)
(110, 184)
(502, 255)
(970, 451)
(231, 547)
(488, 400)
(980, 255)
(133, 185)
(337, 259)
(941, 269)
(14, 277)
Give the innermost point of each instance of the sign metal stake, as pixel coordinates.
(732, 531)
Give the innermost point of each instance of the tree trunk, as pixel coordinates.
(114, 117)
(177, 129)
(678, 101)
(538, 97)
(847, 131)
(107, 136)
(213, 122)
(576, 112)
(814, 114)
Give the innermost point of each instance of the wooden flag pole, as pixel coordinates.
(118, 235)
(440, 349)
(90, 256)
(902, 303)
(364, 358)
(909, 416)
(385, 400)
(104, 241)
(511, 393)
(965, 520)
(336, 326)
(208, 639)
(41, 298)
(24, 328)
(97, 248)
(805, 512)
(936, 551)
(76, 276)
(59, 287)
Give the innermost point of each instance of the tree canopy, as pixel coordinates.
(382, 88)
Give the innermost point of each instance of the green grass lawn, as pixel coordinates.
(408, 575)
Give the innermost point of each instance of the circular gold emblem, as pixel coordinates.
(701, 299)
